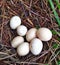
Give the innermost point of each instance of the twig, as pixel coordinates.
(34, 59)
(53, 57)
(3, 53)
(26, 15)
(31, 63)
(7, 57)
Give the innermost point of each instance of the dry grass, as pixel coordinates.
(34, 13)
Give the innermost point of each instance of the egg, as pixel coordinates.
(31, 34)
(36, 46)
(44, 34)
(17, 41)
(23, 49)
(15, 22)
(22, 30)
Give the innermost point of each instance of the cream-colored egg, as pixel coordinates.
(22, 30)
(17, 41)
(31, 34)
(15, 22)
(23, 49)
(36, 46)
(44, 34)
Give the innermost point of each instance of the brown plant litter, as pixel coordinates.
(34, 13)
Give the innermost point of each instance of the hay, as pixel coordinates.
(34, 13)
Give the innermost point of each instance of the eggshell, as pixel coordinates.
(15, 22)
(17, 41)
(36, 46)
(44, 34)
(31, 34)
(23, 49)
(22, 30)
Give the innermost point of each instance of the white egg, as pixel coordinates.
(15, 22)
(36, 46)
(23, 49)
(31, 34)
(22, 30)
(44, 34)
(17, 41)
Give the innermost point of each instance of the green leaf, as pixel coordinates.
(46, 64)
(57, 1)
(54, 11)
(37, 27)
(55, 45)
(58, 62)
(53, 32)
(58, 38)
(58, 5)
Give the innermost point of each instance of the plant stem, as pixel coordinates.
(55, 13)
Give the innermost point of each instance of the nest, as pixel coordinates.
(34, 13)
